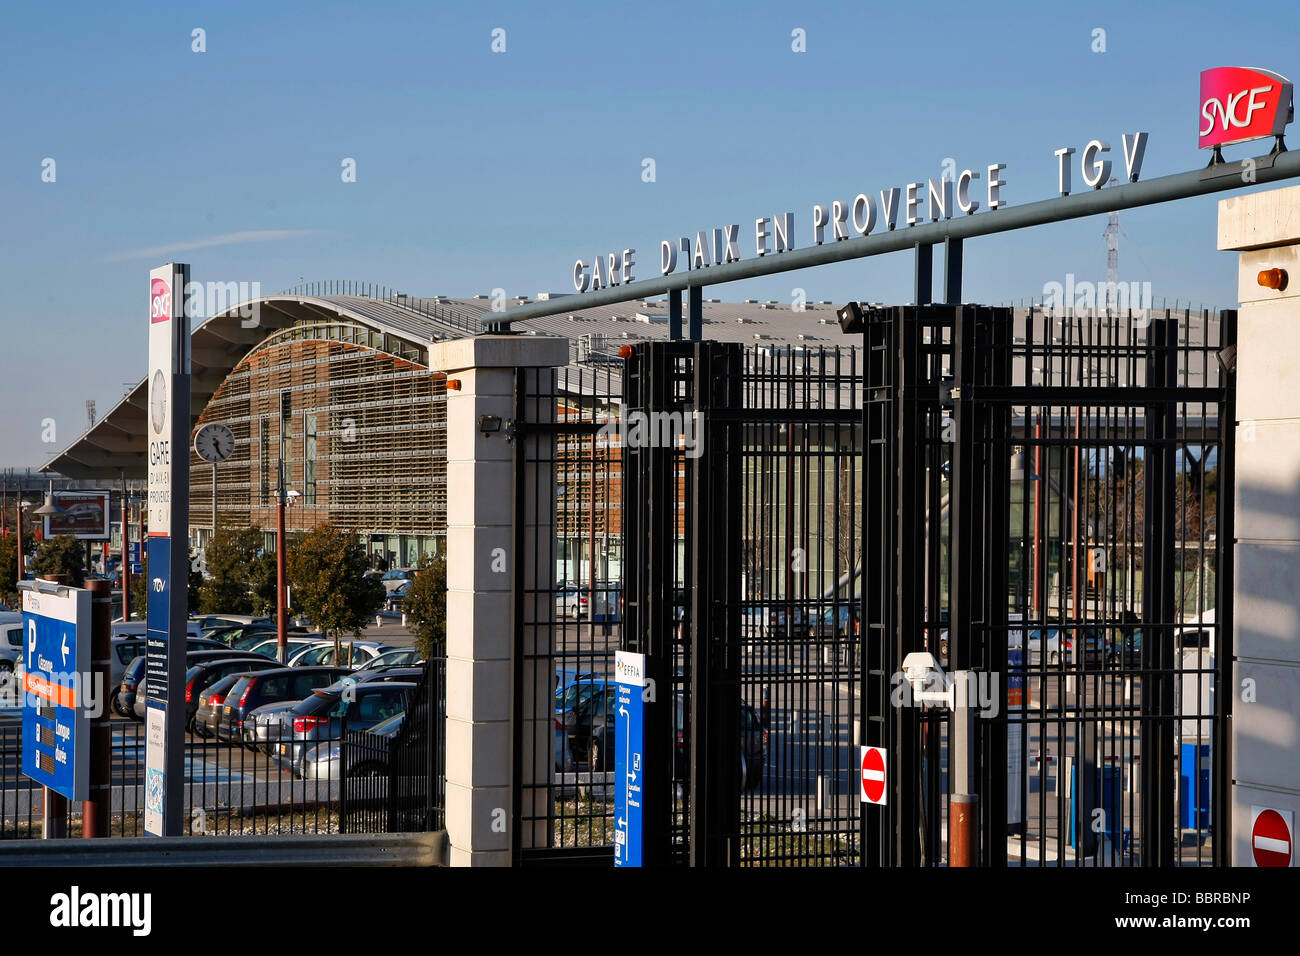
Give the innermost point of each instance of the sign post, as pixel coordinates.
(168, 427)
(56, 655)
(629, 725)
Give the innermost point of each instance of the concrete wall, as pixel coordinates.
(1265, 228)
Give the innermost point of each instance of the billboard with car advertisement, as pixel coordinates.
(86, 515)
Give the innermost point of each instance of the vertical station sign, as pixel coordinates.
(629, 726)
(56, 656)
(168, 429)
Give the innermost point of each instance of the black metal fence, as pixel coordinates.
(397, 784)
(230, 788)
(569, 608)
(1048, 512)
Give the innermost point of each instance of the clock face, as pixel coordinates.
(158, 402)
(214, 442)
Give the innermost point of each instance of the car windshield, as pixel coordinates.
(319, 700)
(386, 728)
(576, 694)
(223, 685)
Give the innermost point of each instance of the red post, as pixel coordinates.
(281, 612)
(19, 512)
(963, 840)
(95, 811)
(126, 554)
(1038, 489)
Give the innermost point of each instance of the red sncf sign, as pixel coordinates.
(1238, 104)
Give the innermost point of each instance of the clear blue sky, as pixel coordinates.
(478, 169)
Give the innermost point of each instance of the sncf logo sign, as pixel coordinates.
(160, 301)
(1239, 105)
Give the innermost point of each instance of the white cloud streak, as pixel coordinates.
(228, 239)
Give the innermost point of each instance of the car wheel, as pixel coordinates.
(595, 756)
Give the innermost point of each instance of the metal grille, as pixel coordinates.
(1047, 511)
(398, 784)
(568, 609)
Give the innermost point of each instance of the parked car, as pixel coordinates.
(352, 653)
(326, 714)
(396, 597)
(397, 657)
(571, 601)
(233, 620)
(771, 620)
(270, 646)
(753, 744)
(266, 726)
(205, 673)
(11, 647)
(396, 577)
(132, 676)
(323, 761)
(838, 621)
(138, 629)
(211, 704)
(192, 658)
(245, 637)
(268, 686)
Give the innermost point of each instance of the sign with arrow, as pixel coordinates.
(56, 723)
(629, 737)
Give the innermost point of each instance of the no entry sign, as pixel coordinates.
(873, 775)
(1270, 836)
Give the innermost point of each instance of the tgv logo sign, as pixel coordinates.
(1238, 105)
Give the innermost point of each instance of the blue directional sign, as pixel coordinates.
(56, 721)
(629, 736)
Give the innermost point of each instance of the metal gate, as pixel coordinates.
(742, 544)
(1039, 501)
(1048, 514)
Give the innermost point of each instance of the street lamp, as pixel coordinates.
(282, 497)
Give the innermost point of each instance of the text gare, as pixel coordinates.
(934, 199)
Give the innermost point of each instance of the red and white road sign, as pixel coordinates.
(1271, 843)
(873, 775)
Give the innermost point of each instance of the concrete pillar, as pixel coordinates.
(480, 573)
(1265, 228)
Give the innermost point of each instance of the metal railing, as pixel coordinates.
(431, 308)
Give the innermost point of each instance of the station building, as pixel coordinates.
(333, 379)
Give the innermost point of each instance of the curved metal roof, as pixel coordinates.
(115, 445)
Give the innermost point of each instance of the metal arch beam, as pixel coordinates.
(1269, 169)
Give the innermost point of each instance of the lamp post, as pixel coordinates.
(282, 496)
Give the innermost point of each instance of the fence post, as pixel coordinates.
(481, 558)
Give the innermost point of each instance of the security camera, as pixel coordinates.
(930, 685)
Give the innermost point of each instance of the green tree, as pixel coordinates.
(9, 568)
(261, 582)
(62, 554)
(327, 570)
(425, 607)
(230, 560)
(140, 589)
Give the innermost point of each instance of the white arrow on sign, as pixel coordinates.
(65, 650)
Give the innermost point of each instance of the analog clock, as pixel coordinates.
(158, 401)
(214, 442)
